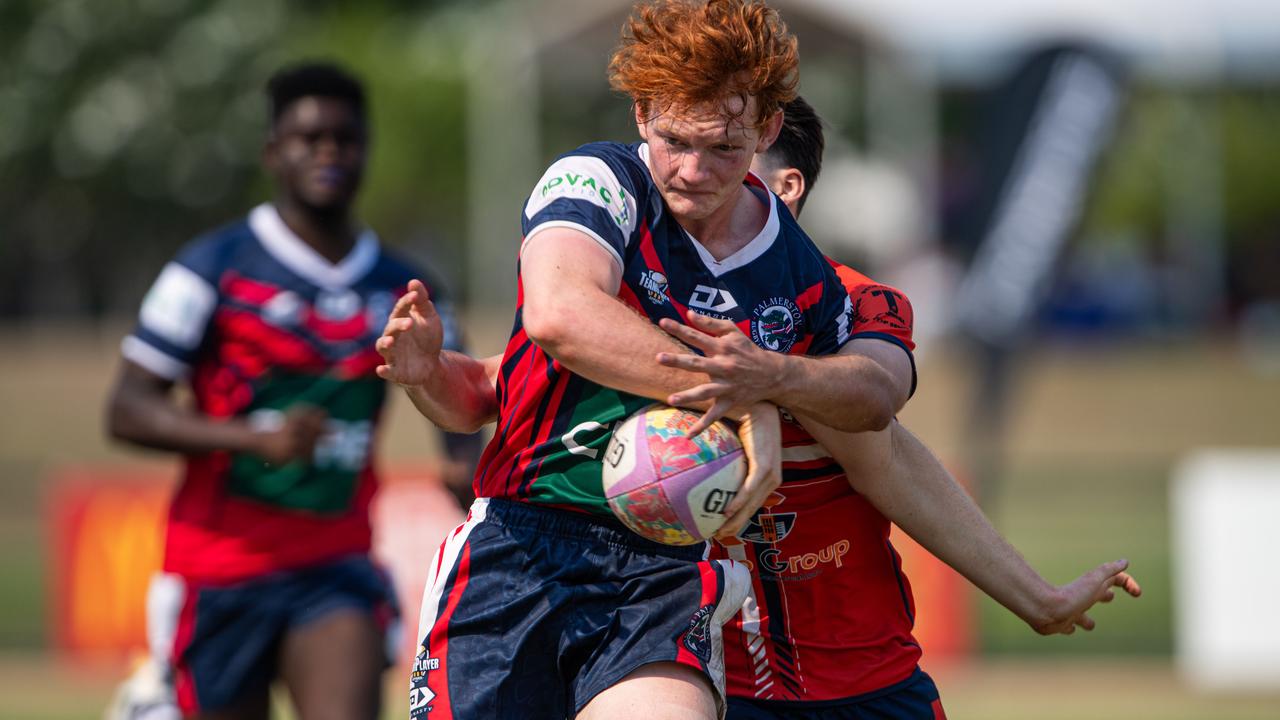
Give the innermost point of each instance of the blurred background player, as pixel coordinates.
(826, 631)
(271, 321)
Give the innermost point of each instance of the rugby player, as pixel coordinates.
(826, 631)
(541, 603)
(271, 320)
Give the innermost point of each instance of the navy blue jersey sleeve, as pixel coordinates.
(592, 190)
(176, 312)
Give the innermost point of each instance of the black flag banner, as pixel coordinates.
(1054, 118)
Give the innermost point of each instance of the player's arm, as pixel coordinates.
(859, 389)
(571, 311)
(907, 483)
(143, 411)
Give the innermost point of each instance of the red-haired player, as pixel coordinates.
(542, 604)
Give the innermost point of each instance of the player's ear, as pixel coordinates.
(789, 186)
(769, 132)
(642, 120)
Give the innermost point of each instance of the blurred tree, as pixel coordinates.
(128, 125)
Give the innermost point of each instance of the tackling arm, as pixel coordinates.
(859, 389)
(907, 483)
(572, 312)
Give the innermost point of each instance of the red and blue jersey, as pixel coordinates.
(830, 613)
(257, 322)
(553, 425)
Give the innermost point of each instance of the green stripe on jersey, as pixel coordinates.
(570, 472)
(327, 482)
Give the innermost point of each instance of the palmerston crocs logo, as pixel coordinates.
(776, 324)
(697, 638)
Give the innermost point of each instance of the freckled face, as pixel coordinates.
(699, 156)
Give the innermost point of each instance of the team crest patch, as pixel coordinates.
(420, 695)
(654, 283)
(697, 639)
(776, 324)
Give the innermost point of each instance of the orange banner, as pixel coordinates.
(107, 538)
(106, 532)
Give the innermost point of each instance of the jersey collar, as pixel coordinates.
(294, 253)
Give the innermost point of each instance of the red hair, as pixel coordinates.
(678, 53)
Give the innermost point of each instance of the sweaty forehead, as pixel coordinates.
(730, 118)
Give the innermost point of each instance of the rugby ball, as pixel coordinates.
(667, 487)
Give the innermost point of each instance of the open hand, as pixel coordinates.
(1070, 607)
(741, 372)
(411, 341)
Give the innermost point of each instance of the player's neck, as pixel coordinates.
(731, 227)
(332, 235)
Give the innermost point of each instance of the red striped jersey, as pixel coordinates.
(830, 612)
(257, 321)
(553, 425)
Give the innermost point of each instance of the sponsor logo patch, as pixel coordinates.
(881, 306)
(712, 300)
(655, 284)
(284, 309)
(420, 695)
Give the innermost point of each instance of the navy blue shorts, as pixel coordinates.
(529, 612)
(915, 698)
(221, 642)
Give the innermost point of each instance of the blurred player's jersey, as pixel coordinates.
(257, 321)
(830, 612)
(553, 425)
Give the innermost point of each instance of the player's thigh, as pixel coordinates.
(657, 691)
(333, 665)
(254, 704)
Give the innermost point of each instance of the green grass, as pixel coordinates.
(1068, 516)
(22, 559)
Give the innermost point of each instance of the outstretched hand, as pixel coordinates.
(741, 373)
(411, 341)
(1073, 600)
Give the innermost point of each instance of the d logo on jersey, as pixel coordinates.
(420, 696)
(709, 299)
(776, 324)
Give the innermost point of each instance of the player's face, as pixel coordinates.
(699, 156)
(317, 152)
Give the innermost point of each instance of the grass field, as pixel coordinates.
(1093, 436)
(37, 688)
